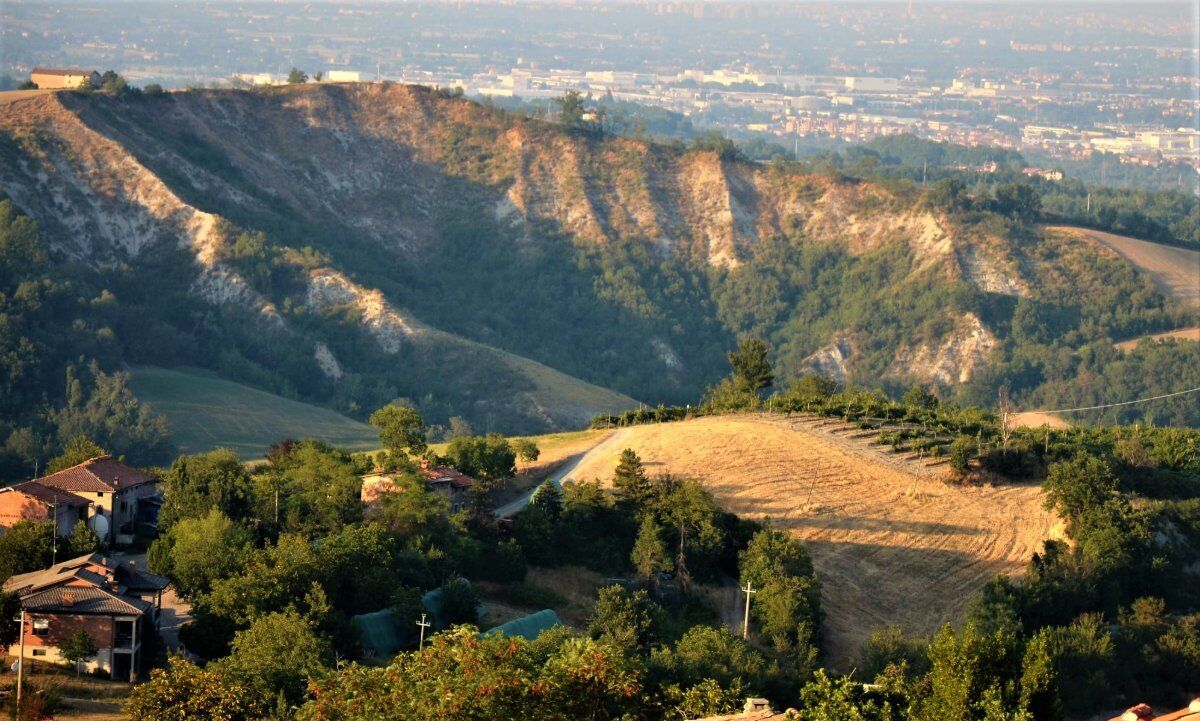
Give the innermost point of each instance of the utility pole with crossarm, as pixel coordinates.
(424, 625)
(748, 590)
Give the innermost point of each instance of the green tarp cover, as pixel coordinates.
(380, 633)
(527, 627)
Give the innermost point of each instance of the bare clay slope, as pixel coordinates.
(385, 182)
(890, 548)
(103, 191)
(376, 164)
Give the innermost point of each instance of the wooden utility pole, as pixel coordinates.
(748, 590)
(424, 625)
(21, 664)
(1005, 409)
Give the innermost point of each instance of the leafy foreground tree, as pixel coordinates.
(77, 648)
(184, 692)
(460, 676)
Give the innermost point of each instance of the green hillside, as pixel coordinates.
(207, 412)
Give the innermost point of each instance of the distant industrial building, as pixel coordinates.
(57, 78)
(344, 76)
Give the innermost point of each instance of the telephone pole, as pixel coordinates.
(748, 590)
(424, 625)
(21, 663)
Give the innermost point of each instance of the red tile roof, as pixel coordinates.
(99, 475)
(61, 71)
(1191, 713)
(1143, 712)
(434, 474)
(46, 494)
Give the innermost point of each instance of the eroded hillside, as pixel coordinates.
(434, 225)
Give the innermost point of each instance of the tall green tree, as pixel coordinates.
(78, 647)
(628, 620)
(401, 428)
(629, 480)
(277, 656)
(752, 370)
(650, 555)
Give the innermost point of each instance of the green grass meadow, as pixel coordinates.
(207, 412)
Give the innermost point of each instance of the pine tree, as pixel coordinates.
(549, 498)
(650, 556)
(630, 481)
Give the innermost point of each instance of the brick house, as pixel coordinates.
(122, 493)
(55, 78)
(451, 484)
(36, 502)
(116, 603)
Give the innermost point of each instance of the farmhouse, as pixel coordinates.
(54, 78)
(125, 496)
(34, 501)
(116, 603)
(447, 482)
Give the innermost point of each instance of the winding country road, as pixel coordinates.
(563, 474)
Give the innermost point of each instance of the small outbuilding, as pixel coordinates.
(57, 78)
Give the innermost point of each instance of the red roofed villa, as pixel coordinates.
(101, 486)
(116, 603)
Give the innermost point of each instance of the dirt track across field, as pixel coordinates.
(1192, 334)
(892, 546)
(1176, 271)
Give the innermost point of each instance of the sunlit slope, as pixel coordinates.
(890, 547)
(207, 412)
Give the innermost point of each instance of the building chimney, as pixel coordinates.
(756, 704)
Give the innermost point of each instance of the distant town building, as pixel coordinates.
(56, 78)
(344, 76)
(1044, 173)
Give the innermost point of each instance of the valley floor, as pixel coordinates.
(892, 542)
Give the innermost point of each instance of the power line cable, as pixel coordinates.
(1122, 403)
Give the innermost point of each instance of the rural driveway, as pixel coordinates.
(175, 611)
(563, 474)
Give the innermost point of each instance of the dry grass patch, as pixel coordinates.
(891, 546)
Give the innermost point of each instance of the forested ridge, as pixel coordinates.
(405, 233)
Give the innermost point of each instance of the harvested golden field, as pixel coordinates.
(892, 546)
(1176, 271)
(1037, 419)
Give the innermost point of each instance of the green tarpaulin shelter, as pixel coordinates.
(527, 627)
(380, 633)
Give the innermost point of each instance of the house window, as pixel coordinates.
(99, 495)
(41, 626)
(39, 652)
(124, 505)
